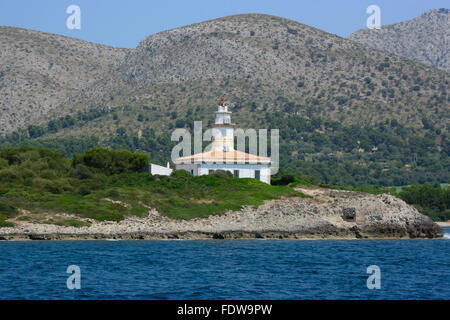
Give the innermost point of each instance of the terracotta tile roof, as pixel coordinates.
(223, 156)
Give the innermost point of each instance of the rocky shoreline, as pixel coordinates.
(328, 214)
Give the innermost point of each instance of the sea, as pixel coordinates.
(226, 269)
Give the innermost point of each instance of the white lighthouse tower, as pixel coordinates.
(222, 130)
(223, 156)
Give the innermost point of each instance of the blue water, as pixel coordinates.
(226, 269)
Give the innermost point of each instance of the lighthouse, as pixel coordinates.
(223, 156)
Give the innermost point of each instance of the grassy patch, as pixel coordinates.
(4, 224)
(70, 223)
(6, 211)
(24, 218)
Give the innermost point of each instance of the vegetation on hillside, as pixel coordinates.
(347, 114)
(268, 59)
(386, 154)
(105, 184)
(109, 185)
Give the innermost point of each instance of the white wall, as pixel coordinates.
(156, 169)
(245, 170)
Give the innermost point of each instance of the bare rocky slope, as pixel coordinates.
(39, 71)
(425, 39)
(267, 60)
(327, 214)
(251, 59)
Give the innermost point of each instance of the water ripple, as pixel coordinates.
(250, 269)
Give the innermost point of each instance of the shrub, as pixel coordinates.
(434, 202)
(111, 161)
(7, 210)
(10, 174)
(29, 155)
(181, 174)
(12, 154)
(4, 224)
(39, 182)
(26, 173)
(179, 123)
(47, 153)
(55, 187)
(285, 180)
(83, 190)
(113, 194)
(310, 179)
(35, 131)
(121, 131)
(222, 174)
(73, 223)
(82, 172)
(48, 174)
(38, 165)
(282, 179)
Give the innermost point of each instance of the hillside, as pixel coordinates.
(347, 114)
(102, 184)
(265, 61)
(39, 71)
(425, 39)
(249, 58)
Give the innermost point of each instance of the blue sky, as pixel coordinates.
(125, 23)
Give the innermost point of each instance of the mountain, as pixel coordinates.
(267, 60)
(425, 39)
(347, 113)
(250, 58)
(39, 71)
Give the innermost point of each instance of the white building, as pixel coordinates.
(223, 156)
(164, 171)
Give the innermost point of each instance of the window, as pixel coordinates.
(257, 175)
(236, 173)
(210, 171)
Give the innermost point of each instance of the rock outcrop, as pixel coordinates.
(327, 214)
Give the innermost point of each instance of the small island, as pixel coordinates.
(106, 194)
